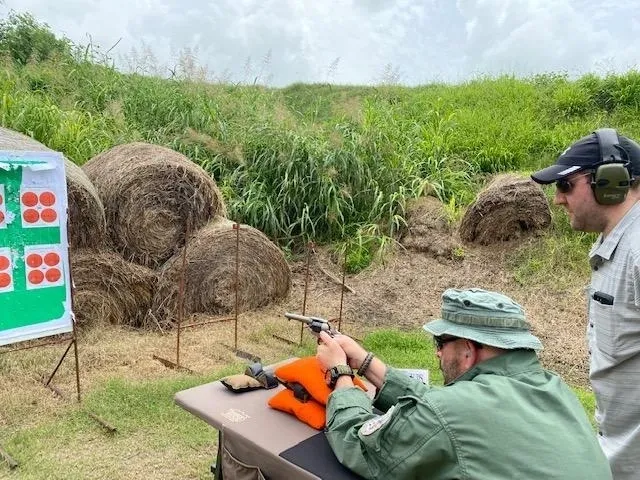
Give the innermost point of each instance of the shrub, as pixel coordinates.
(23, 39)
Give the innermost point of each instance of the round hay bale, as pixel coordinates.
(209, 277)
(152, 195)
(87, 225)
(110, 290)
(428, 228)
(507, 208)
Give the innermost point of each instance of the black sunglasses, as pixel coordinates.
(442, 341)
(564, 185)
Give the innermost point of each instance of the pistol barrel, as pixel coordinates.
(300, 318)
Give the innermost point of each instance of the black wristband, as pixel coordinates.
(365, 364)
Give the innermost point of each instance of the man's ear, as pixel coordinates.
(470, 352)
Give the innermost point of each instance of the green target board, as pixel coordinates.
(35, 291)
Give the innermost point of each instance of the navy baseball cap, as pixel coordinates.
(585, 154)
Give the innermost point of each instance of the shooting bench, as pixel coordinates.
(258, 442)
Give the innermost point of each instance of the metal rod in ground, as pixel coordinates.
(170, 364)
(7, 458)
(75, 353)
(235, 284)
(74, 330)
(54, 389)
(59, 363)
(306, 287)
(247, 355)
(110, 428)
(344, 272)
(242, 353)
(28, 347)
(207, 322)
(278, 337)
(181, 288)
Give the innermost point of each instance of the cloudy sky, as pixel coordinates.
(278, 42)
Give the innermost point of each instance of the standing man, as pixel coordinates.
(597, 182)
(500, 415)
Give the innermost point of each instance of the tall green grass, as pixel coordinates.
(324, 162)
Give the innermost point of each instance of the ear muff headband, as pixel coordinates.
(611, 179)
(609, 145)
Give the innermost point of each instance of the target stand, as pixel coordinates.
(180, 325)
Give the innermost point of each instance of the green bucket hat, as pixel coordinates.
(486, 317)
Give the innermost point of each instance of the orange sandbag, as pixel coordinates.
(307, 371)
(310, 412)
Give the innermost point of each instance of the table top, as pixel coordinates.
(258, 430)
(246, 413)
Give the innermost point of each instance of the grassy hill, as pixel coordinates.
(324, 162)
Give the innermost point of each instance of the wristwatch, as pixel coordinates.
(333, 374)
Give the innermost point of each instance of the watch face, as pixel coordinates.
(327, 377)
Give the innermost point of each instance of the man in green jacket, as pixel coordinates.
(499, 416)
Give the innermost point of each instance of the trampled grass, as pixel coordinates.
(153, 435)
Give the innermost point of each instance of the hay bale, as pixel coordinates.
(152, 195)
(263, 273)
(507, 208)
(110, 290)
(87, 225)
(428, 228)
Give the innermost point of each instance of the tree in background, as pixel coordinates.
(24, 39)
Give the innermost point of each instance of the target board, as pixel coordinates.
(35, 290)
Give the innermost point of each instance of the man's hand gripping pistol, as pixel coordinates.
(315, 324)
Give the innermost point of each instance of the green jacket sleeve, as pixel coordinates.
(402, 443)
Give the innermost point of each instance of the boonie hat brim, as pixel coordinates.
(506, 338)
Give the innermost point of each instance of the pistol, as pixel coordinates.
(315, 324)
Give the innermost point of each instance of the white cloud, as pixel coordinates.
(284, 41)
(529, 36)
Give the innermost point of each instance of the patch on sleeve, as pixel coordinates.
(373, 425)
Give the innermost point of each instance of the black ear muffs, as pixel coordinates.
(612, 178)
(611, 183)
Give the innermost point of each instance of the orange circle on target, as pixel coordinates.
(34, 260)
(1, 199)
(4, 262)
(1, 217)
(48, 215)
(30, 215)
(47, 199)
(53, 275)
(36, 277)
(51, 259)
(5, 280)
(29, 199)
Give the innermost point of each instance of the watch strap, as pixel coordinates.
(339, 371)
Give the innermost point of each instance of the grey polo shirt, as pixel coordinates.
(613, 334)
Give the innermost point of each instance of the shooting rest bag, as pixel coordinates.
(240, 383)
(308, 372)
(305, 376)
(254, 377)
(310, 412)
(266, 379)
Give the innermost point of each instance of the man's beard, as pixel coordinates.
(451, 370)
